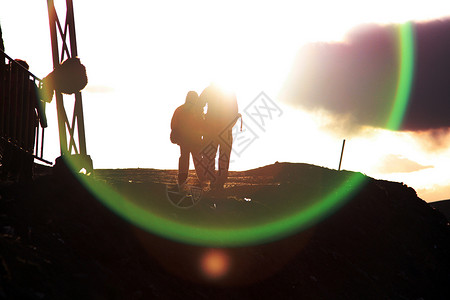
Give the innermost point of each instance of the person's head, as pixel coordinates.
(16, 68)
(191, 97)
(210, 94)
(22, 63)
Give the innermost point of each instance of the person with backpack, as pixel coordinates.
(187, 130)
(220, 118)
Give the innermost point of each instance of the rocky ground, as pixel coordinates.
(59, 241)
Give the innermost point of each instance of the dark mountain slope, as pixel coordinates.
(59, 242)
(443, 206)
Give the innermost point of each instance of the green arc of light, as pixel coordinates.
(221, 237)
(405, 77)
(295, 222)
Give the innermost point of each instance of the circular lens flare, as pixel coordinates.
(405, 76)
(216, 263)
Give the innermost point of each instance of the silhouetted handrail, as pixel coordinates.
(18, 87)
(9, 58)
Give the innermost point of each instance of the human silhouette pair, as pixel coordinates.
(205, 135)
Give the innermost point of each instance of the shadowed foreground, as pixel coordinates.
(58, 242)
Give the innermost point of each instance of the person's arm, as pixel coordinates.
(175, 127)
(174, 123)
(40, 106)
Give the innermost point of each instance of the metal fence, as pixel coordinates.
(22, 113)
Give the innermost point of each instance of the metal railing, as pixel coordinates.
(22, 113)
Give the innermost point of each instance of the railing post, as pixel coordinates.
(52, 17)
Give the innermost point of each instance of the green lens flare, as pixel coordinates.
(289, 223)
(223, 237)
(405, 77)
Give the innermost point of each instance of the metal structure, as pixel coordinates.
(71, 132)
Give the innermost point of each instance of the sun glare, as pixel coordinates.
(215, 263)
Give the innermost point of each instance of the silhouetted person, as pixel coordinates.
(220, 118)
(2, 85)
(187, 129)
(3, 91)
(2, 60)
(25, 113)
(3, 142)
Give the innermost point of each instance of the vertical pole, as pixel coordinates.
(71, 21)
(342, 153)
(80, 123)
(58, 96)
(78, 99)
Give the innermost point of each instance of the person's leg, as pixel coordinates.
(27, 160)
(183, 165)
(198, 165)
(15, 164)
(224, 159)
(208, 154)
(26, 167)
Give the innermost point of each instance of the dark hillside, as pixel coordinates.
(59, 242)
(443, 206)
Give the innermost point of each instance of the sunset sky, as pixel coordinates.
(142, 57)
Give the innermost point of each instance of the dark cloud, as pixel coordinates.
(398, 164)
(434, 140)
(356, 80)
(429, 106)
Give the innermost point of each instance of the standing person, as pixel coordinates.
(28, 113)
(220, 118)
(3, 143)
(3, 92)
(187, 130)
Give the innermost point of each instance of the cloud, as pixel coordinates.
(436, 192)
(356, 80)
(398, 164)
(98, 89)
(429, 106)
(433, 140)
